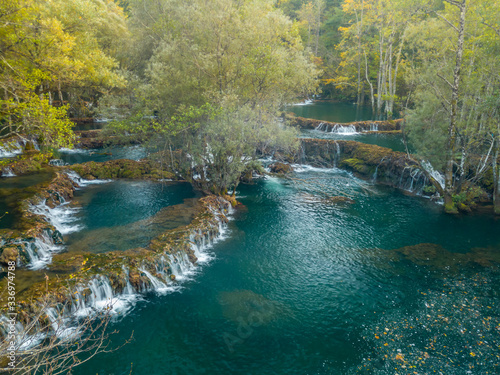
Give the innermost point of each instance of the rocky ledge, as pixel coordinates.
(358, 126)
(382, 165)
(85, 281)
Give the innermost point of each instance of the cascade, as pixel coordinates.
(321, 127)
(81, 182)
(336, 157)
(7, 172)
(376, 170)
(344, 130)
(433, 173)
(374, 127)
(157, 284)
(62, 217)
(57, 162)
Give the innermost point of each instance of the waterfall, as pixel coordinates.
(10, 149)
(376, 170)
(415, 181)
(7, 172)
(432, 172)
(305, 102)
(336, 156)
(60, 324)
(61, 217)
(81, 182)
(321, 127)
(39, 250)
(57, 162)
(157, 285)
(98, 295)
(344, 130)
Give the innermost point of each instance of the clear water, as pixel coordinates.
(333, 111)
(78, 156)
(392, 141)
(307, 286)
(120, 215)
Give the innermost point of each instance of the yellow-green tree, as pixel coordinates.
(54, 50)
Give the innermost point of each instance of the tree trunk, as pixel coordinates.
(452, 127)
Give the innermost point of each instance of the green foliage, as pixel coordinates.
(52, 50)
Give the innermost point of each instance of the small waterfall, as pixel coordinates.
(414, 181)
(432, 172)
(180, 266)
(57, 162)
(321, 127)
(344, 130)
(62, 217)
(305, 102)
(129, 289)
(39, 250)
(374, 127)
(60, 325)
(81, 182)
(7, 172)
(376, 170)
(10, 149)
(97, 295)
(336, 156)
(157, 285)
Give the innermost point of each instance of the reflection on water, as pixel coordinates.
(332, 111)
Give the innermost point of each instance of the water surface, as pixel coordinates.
(306, 284)
(333, 111)
(120, 215)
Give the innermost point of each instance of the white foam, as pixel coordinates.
(7, 172)
(305, 102)
(81, 182)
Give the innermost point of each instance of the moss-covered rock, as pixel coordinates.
(31, 161)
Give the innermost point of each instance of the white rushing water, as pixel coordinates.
(305, 102)
(11, 149)
(63, 217)
(344, 129)
(81, 182)
(7, 172)
(432, 172)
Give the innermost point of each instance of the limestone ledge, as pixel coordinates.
(361, 126)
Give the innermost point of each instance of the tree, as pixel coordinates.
(212, 65)
(54, 50)
(454, 122)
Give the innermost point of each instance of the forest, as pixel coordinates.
(203, 105)
(194, 72)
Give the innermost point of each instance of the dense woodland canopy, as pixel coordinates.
(211, 77)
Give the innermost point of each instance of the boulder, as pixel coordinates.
(9, 254)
